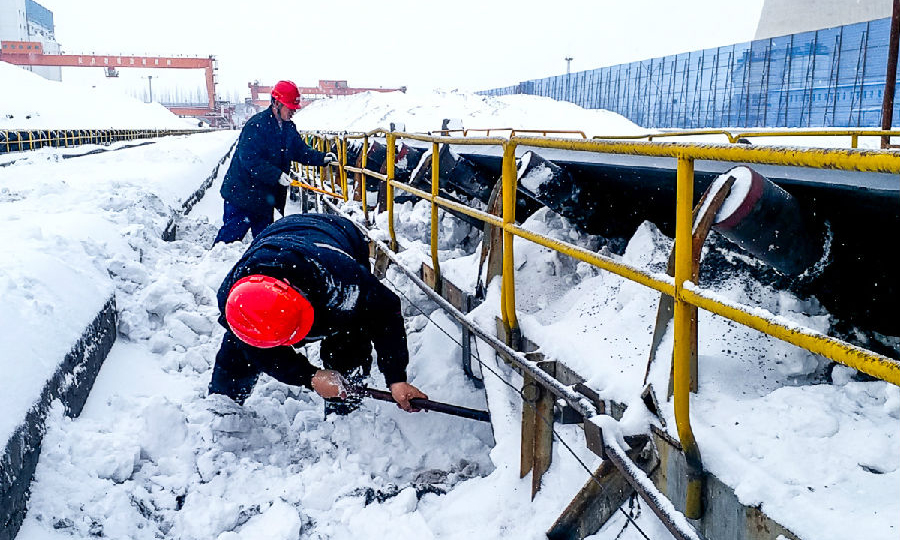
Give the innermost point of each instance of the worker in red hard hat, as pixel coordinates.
(306, 279)
(257, 179)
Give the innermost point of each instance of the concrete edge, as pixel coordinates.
(724, 516)
(71, 384)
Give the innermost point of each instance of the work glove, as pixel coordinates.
(330, 159)
(330, 384)
(284, 179)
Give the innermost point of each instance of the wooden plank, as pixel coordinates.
(543, 440)
(592, 506)
(566, 375)
(454, 295)
(427, 274)
(543, 426)
(493, 238)
(600, 497)
(531, 392)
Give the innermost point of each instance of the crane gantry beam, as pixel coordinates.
(24, 53)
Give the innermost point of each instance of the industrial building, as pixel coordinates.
(23, 22)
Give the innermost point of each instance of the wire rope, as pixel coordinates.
(524, 400)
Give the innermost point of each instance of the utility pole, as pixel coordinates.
(568, 60)
(890, 83)
(150, 82)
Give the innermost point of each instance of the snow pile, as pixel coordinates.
(29, 101)
(68, 229)
(151, 456)
(422, 112)
(832, 454)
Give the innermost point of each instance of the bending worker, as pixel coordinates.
(257, 179)
(306, 278)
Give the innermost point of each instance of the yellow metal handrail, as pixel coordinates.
(685, 293)
(850, 160)
(512, 131)
(317, 175)
(21, 140)
(736, 136)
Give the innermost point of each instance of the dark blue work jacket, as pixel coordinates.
(327, 259)
(264, 151)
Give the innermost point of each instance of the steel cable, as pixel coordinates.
(565, 444)
(524, 400)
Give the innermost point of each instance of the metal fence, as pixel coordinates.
(827, 78)
(20, 140)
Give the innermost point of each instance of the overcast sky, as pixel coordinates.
(466, 44)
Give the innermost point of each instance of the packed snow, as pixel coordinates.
(426, 111)
(150, 456)
(29, 101)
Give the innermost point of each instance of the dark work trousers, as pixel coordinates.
(236, 222)
(239, 365)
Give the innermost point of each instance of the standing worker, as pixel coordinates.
(306, 278)
(257, 179)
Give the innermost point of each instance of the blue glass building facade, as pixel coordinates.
(827, 78)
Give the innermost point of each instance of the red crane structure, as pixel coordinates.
(308, 94)
(31, 53)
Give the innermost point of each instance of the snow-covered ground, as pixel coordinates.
(143, 459)
(29, 101)
(425, 111)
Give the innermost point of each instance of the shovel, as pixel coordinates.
(426, 404)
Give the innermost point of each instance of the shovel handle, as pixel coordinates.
(429, 405)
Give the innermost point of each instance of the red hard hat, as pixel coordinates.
(286, 92)
(267, 312)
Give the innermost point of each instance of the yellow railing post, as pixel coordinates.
(362, 177)
(322, 172)
(682, 332)
(391, 162)
(508, 289)
(330, 169)
(435, 185)
(318, 174)
(342, 170)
